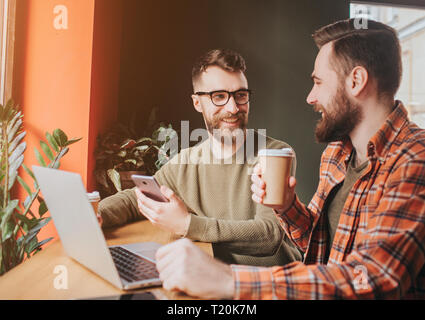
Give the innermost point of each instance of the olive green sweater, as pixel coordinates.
(218, 195)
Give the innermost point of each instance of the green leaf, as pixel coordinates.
(8, 211)
(142, 148)
(60, 137)
(28, 170)
(36, 228)
(115, 178)
(11, 131)
(122, 154)
(7, 230)
(29, 223)
(31, 245)
(144, 140)
(24, 185)
(42, 209)
(133, 161)
(13, 171)
(16, 141)
(69, 142)
(43, 242)
(18, 152)
(39, 158)
(47, 151)
(129, 143)
(11, 124)
(52, 142)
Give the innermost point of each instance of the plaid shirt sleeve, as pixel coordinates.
(297, 222)
(384, 263)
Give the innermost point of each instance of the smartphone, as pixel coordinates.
(149, 186)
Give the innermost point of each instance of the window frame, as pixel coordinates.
(7, 41)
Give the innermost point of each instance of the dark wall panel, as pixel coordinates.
(162, 39)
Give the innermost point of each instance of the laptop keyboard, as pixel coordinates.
(132, 267)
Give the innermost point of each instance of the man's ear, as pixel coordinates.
(357, 80)
(196, 103)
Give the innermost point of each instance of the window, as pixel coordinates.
(7, 21)
(410, 25)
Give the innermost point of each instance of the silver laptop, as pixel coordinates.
(127, 266)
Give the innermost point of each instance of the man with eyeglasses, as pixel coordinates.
(207, 187)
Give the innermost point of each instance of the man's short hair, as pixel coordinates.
(376, 48)
(226, 59)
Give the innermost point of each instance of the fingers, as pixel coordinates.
(164, 250)
(258, 181)
(167, 192)
(257, 169)
(292, 182)
(260, 193)
(147, 212)
(146, 201)
(257, 199)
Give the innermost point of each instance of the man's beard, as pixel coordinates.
(227, 135)
(337, 123)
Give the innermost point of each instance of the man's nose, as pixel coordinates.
(311, 98)
(231, 105)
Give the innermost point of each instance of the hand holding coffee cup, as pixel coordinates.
(272, 183)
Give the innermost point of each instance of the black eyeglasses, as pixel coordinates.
(221, 97)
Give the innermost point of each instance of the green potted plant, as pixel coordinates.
(121, 152)
(19, 224)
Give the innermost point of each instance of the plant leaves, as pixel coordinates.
(16, 141)
(28, 170)
(60, 137)
(8, 211)
(122, 154)
(13, 171)
(39, 158)
(142, 148)
(69, 142)
(129, 143)
(115, 178)
(42, 209)
(47, 151)
(36, 228)
(18, 151)
(12, 122)
(52, 142)
(133, 161)
(143, 140)
(24, 185)
(11, 131)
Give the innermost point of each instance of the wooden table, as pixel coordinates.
(34, 278)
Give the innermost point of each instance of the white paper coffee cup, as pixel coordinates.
(276, 167)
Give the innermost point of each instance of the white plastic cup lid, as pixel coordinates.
(285, 152)
(93, 196)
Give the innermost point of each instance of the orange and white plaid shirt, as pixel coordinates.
(379, 247)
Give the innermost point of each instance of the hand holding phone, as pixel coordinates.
(149, 186)
(166, 210)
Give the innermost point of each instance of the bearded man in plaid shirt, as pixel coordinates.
(363, 233)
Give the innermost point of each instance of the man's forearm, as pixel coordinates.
(246, 237)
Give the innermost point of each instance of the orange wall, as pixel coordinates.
(57, 80)
(105, 75)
